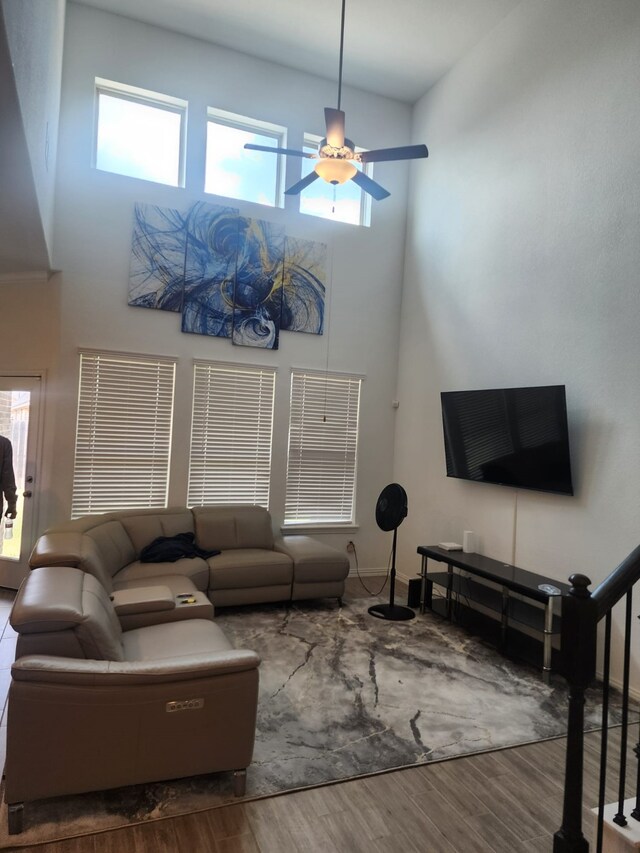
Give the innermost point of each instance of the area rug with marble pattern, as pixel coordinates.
(342, 694)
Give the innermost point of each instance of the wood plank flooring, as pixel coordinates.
(500, 802)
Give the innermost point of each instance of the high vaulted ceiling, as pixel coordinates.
(398, 48)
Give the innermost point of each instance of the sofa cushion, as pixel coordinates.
(193, 568)
(177, 583)
(249, 567)
(99, 632)
(55, 601)
(314, 562)
(224, 527)
(113, 544)
(144, 526)
(173, 640)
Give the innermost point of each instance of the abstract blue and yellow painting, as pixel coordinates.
(230, 276)
(156, 275)
(257, 298)
(210, 269)
(305, 270)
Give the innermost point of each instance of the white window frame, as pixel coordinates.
(312, 402)
(253, 125)
(242, 435)
(312, 140)
(146, 98)
(123, 437)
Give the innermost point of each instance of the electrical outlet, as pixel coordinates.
(350, 547)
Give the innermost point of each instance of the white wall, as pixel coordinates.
(93, 236)
(522, 269)
(35, 30)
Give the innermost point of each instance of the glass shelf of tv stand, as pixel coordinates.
(467, 590)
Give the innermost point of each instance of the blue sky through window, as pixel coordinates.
(143, 139)
(137, 139)
(235, 172)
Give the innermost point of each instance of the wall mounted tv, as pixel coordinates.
(509, 436)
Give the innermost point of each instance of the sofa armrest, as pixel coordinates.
(57, 549)
(145, 599)
(75, 672)
(306, 550)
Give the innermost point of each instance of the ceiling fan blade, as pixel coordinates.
(365, 183)
(405, 152)
(335, 127)
(293, 152)
(297, 188)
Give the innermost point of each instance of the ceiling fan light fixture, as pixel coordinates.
(334, 170)
(336, 154)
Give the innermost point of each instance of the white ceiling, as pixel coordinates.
(397, 48)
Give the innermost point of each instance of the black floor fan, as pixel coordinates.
(391, 509)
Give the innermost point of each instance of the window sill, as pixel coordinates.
(317, 528)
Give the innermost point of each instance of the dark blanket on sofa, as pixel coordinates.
(168, 549)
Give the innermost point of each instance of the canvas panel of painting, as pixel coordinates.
(156, 274)
(257, 306)
(305, 272)
(210, 269)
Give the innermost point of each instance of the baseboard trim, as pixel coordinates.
(353, 572)
(634, 692)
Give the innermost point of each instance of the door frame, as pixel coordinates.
(29, 533)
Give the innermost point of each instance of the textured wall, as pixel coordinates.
(35, 33)
(522, 269)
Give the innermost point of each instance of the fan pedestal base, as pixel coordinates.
(392, 612)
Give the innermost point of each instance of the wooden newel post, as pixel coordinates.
(578, 666)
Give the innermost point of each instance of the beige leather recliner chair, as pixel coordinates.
(93, 707)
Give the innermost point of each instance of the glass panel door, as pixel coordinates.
(19, 409)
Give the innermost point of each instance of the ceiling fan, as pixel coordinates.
(336, 155)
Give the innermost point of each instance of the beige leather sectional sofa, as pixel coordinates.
(253, 566)
(121, 675)
(92, 706)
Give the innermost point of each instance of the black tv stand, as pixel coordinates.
(490, 583)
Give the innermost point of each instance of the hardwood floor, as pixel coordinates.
(501, 802)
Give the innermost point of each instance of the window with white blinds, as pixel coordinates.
(123, 433)
(231, 433)
(323, 449)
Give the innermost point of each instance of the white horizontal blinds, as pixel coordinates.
(231, 433)
(123, 434)
(323, 445)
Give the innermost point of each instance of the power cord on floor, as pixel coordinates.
(351, 548)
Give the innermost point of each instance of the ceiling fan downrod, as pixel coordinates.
(344, 3)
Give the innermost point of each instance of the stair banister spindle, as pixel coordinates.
(604, 737)
(619, 817)
(636, 811)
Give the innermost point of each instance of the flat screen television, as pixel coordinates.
(509, 436)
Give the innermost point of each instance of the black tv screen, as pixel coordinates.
(509, 436)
